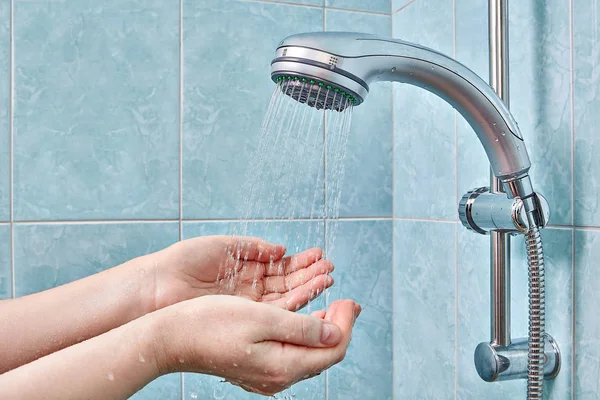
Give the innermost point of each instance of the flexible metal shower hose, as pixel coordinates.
(537, 314)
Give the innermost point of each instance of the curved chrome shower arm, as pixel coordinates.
(359, 60)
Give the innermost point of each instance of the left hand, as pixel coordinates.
(243, 266)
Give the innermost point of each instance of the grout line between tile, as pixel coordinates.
(181, 121)
(97, 222)
(11, 148)
(292, 3)
(325, 224)
(393, 215)
(456, 371)
(573, 247)
(181, 375)
(573, 315)
(184, 221)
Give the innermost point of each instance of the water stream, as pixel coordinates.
(295, 139)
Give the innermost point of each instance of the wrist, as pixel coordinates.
(167, 341)
(144, 271)
(177, 336)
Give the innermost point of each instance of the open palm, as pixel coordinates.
(242, 266)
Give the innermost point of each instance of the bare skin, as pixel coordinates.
(259, 347)
(43, 323)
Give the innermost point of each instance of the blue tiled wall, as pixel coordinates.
(133, 119)
(554, 71)
(133, 125)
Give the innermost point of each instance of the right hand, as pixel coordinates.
(259, 347)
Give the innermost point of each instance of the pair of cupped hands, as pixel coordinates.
(226, 307)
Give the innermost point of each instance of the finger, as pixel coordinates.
(250, 270)
(301, 330)
(255, 249)
(319, 314)
(343, 314)
(286, 283)
(300, 296)
(293, 263)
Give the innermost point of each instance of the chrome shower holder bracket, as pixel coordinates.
(483, 212)
(502, 363)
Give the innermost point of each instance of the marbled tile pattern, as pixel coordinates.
(96, 109)
(52, 255)
(296, 236)
(223, 114)
(398, 4)
(424, 124)
(4, 110)
(540, 96)
(586, 60)
(472, 50)
(362, 253)
(367, 185)
(166, 387)
(380, 6)
(307, 2)
(424, 309)
(587, 321)
(5, 274)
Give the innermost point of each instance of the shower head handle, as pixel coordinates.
(353, 61)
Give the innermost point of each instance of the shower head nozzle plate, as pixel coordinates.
(316, 93)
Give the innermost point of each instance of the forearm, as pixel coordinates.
(113, 365)
(45, 322)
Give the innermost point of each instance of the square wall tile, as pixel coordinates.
(362, 254)
(4, 110)
(472, 50)
(5, 274)
(380, 6)
(540, 97)
(47, 256)
(366, 159)
(167, 387)
(297, 236)
(587, 319)
(228, 49)
(96, 109)
(424, 309)
(424, 124)
(586, 60)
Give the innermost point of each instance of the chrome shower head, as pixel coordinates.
(334, 69)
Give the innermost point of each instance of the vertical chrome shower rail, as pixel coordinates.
(499, 241)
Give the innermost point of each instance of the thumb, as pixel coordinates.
(303, 330)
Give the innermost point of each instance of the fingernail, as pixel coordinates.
(330, 334)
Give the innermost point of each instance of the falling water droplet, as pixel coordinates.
(494, 124)
(394, 69)
(503, 133)
(497, 139)
(518, 148)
